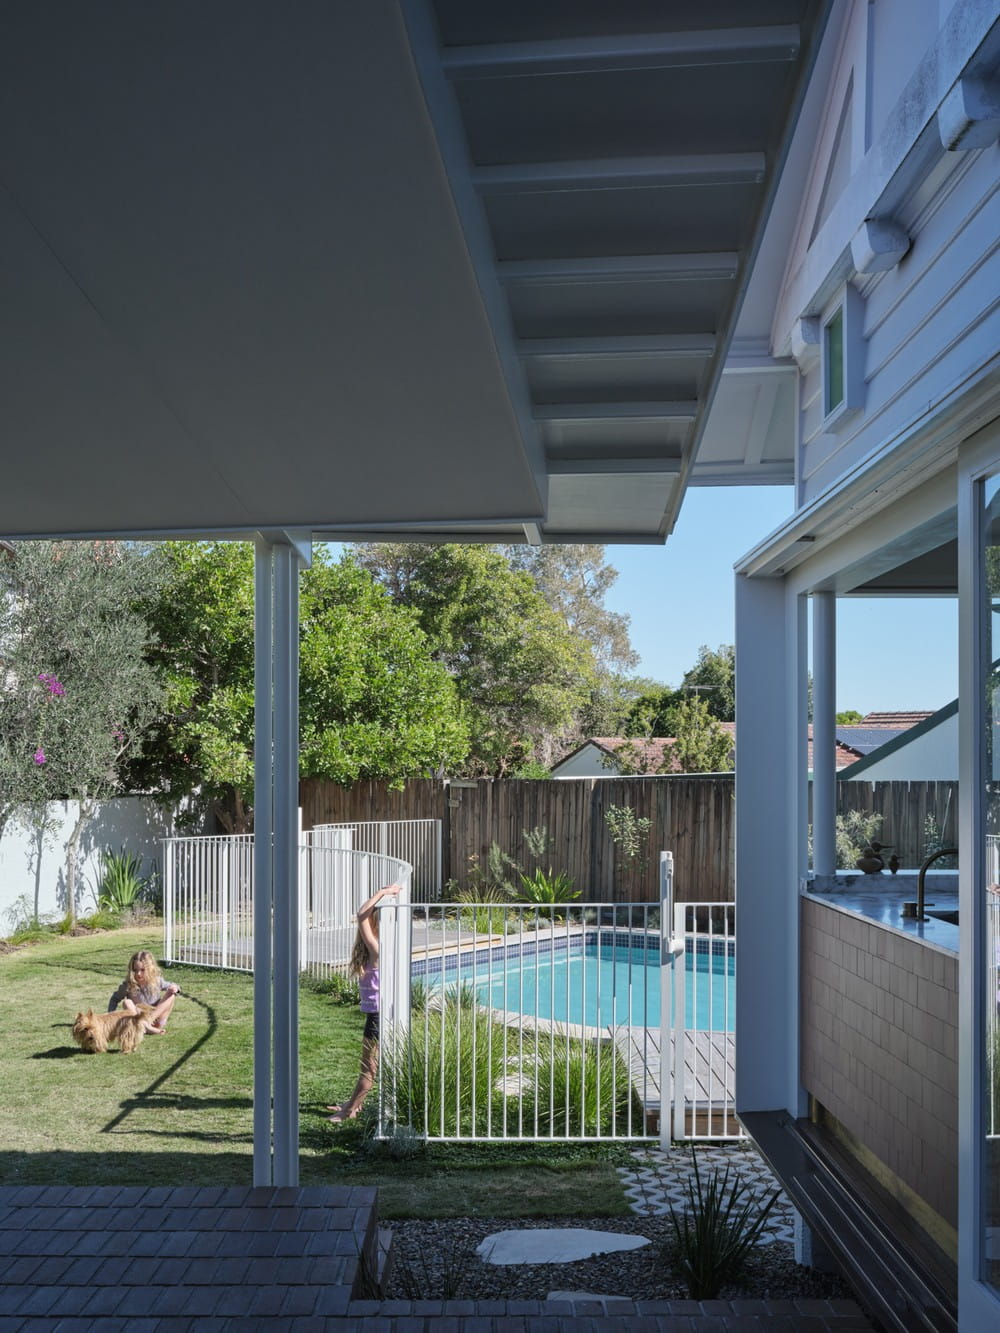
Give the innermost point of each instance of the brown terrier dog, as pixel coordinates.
(94, 1033)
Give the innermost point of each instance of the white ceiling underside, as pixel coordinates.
(392, 268)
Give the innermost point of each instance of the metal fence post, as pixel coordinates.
(680, 1022)
(666, 964)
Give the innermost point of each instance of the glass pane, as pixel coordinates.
(833, 352)
(990, 831)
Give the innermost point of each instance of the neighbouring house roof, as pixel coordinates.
(900, 721)
(846, 754)
(650, 750)
(865, 739)
(894, 740)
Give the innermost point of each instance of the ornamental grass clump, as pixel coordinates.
(713, 1238)
(445, 1077)
(578, 1089)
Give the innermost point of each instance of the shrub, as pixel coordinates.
(542, 886)
(121, 883)
(854, 831)
(628, 832)
(577, 1088)
(341, 989)
(714, 1237)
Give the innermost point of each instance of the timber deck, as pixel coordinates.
(709, 1078)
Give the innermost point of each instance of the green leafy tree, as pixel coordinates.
(520, 672)
(77, 694)
(574, 580)
(372, 703)
(654, 711)
(848, 717)
(713, 677)
(701, 744)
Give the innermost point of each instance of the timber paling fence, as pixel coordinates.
(694, 814)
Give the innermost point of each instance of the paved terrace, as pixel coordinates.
(190, 1260)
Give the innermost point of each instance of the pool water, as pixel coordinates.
(610, 984)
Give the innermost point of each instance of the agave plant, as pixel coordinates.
(542, 886)
(121, 883)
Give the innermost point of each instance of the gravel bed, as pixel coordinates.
(436, 1260)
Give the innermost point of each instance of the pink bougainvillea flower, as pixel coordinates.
(39, 756)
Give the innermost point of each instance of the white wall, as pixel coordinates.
(26, 870)
(932, 757)
(930, 323)
(586, 763)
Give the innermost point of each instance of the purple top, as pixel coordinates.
(368, 985)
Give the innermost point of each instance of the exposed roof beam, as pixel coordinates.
(654, 411)
(533, 534)
(610, 466)
(647, 50)
(611, 537)
(620, 173)
(735, 472)
(621, 268)
(656, 344)
(446, 119)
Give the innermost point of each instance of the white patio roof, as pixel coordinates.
(425, 268)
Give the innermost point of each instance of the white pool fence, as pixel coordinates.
(572, 1021)
(208, 899)
(500, 1021)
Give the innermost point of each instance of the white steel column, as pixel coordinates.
(263, 763)
(770, 825)
(276, 690)
(824, 766)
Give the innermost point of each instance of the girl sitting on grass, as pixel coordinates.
(144, 984)
(364, 966)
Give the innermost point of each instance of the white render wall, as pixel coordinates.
(28, 869)
(931, 757)
(586, 763)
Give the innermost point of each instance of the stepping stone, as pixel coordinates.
(607, 1302)
(555, 1245)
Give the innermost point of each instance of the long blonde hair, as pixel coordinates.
(150, 972)
(360, 957)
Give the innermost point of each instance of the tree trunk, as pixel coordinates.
(87, 805)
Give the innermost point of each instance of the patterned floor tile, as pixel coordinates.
(659, 1181)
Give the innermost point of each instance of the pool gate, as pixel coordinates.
(506, 1021)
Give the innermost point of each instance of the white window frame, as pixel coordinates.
(979, 459)
(849, 307)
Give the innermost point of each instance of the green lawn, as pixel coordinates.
(179, 1111)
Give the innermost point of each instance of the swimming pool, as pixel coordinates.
(597, 982)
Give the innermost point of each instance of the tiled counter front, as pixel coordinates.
(879, 1046)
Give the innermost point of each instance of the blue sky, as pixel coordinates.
(891, 653)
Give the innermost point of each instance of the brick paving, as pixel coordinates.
(238, 1260)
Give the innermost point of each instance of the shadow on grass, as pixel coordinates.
(141, 1101)
(126, 1168)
